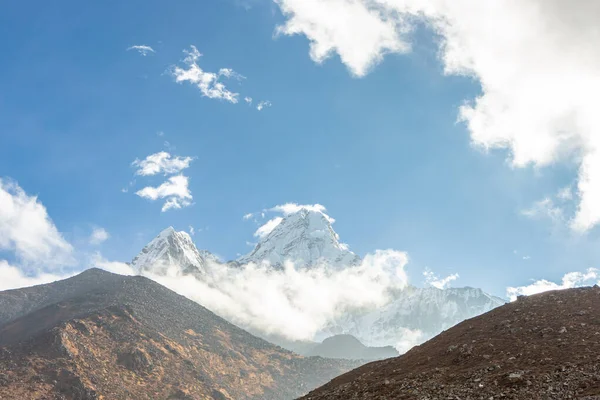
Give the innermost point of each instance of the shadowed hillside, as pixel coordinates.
(100, 335)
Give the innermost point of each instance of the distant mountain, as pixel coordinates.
(428, 310)
(173, 253)
(305, 237)
(349, 347)
(543, 346)
(413, 316)
(338, 346)
(99, 335)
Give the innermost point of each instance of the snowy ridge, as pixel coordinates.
(172, 253)
(306, 238)
(418, 312)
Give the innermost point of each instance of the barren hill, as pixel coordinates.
(99, 335)
(545, 346)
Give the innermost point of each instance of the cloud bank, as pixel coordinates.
(569, 280)
(293, 303)
(27, 230)
(537, 61)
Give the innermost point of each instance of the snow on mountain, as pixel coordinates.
(172, 253)
(305, 237)
(414, 315)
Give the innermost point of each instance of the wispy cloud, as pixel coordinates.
(268, 227)
(263, 104)
(209, 83)
(292, 208)
(175, 190)
(545, 208)
(437, 282)
(161, 163)
(569, 280)
(142, 49)
(98, 236)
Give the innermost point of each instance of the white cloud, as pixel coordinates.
(301, 301)
(175, 190)
(192, 230)
(437, 282)
(142, 49)
(208, 82)
(248, 100)
(545, 209)
(285, 209)
(537, 61)
(526, 258)
(98, 236)
(359, 33)
(268, 227)
(161, 163)
(569, 280)
(115, 267)
(565, 194)
(292, 208)
(27, 230)
(14, 277)
(263, 104)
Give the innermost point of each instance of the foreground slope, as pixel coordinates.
(545, 346)
(99, 335)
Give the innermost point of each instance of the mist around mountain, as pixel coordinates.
(349, 347)
(100, 335)
(301, 285)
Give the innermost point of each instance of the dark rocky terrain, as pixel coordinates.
(349, 347)
(104, 336)
(545, 346)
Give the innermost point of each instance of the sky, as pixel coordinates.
(465, 136)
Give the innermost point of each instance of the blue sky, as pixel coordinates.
(383, 152)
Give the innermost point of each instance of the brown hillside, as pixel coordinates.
(545, 346)
(131, 338)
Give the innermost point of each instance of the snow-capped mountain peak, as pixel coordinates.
(305, 237)
(172, 253)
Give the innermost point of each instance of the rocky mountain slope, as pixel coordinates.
(305, 237)
(99, 335)
(544, 346)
